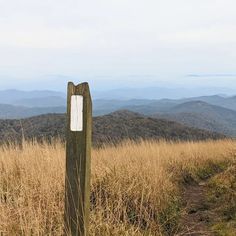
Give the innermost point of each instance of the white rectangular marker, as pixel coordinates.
(76, 120)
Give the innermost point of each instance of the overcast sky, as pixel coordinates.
(118, 42)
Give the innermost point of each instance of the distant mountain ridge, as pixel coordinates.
(226, 102)
(159, 92)
(163, 105)
(215, 113)
(193, 112)
(202, 115)
(167, 104)
(125, 98)
(50, 101)
(12, 96)
(113, 128)
(20, 112)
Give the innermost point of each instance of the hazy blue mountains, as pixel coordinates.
(199, 112)
(19, 112)
(21, 104)
(159, 93)
(204, 116)
(15, 97)
(50, 101)
(215, 113)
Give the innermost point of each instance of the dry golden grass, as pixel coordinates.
(136, 188)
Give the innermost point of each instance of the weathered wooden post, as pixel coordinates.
(78, 154)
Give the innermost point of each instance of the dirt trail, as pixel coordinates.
(197, 214)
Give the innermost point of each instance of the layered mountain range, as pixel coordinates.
(215, 113)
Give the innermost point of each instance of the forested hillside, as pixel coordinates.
(113, 128)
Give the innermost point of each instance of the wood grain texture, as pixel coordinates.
(78, 155)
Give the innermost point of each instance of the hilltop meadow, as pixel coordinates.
(138, 188)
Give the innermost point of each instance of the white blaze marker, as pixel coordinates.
(76, 122)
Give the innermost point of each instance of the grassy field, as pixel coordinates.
(137, 188)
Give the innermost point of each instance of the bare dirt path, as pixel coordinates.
(197, 213)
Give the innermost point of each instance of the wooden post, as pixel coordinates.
(78, 154)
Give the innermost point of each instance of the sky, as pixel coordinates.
(117, 43)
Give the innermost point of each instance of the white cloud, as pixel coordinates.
(118, 36)
(211, 35)
(36, 23)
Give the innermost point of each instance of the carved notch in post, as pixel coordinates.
(78, 156)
